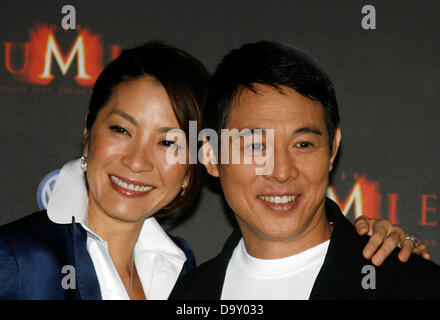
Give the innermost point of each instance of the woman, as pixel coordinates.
(98, 239)
(102, 232)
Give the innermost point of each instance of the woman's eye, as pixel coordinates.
(119, 129)
(168, 143)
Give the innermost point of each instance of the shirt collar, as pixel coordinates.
(69, 199)
(69, 196)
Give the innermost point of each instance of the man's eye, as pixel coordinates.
(303, 144)
(255, 146)
(119, 129)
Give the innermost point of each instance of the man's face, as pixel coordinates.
(287, 204)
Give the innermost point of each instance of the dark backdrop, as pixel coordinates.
(387, 83)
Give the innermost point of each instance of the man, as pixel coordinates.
(292, 242)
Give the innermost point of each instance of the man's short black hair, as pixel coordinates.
(270, 64)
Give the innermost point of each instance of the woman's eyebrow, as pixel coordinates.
(124, 115)
(166, 129)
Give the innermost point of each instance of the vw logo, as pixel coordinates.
(45, 189)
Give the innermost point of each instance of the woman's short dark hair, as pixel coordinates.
(184, 79)
(270, 64)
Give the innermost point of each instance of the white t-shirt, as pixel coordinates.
(289, 278)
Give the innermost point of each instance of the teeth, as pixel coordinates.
(133, 187)
(278, 199)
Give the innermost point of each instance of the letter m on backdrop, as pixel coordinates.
(45, 56)
(363, 197)
(65, 62)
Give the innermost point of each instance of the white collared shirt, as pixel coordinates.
(289, 278)
(158, 259)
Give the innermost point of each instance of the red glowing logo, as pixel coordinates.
(43, 53)
(364, 197)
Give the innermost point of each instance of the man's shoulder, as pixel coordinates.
(347, 274)
(206, 281)
(201, 282)
(415, 279)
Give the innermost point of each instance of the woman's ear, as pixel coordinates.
(336, 142)
(186, 180)
(209, 159)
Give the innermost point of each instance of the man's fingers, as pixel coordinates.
(373, 244)
(400, 233)
(386, 248)
(407, 247)
(423, 251)
(362, 225)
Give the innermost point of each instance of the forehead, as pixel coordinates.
(145, 99)
(140, 90)
(267, 107)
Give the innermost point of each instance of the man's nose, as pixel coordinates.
(284, 165)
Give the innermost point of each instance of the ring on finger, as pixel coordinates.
(412, 238)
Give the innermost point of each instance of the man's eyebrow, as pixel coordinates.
(124, 115)
(247, 132)
(251, 131)
(313, 130)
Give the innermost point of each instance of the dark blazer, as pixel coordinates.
(33, 251)
(340, 276)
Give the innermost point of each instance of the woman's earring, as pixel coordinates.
(84, 163)
(182, 191)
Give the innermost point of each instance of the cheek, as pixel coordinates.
(101, 152)
(172, 174)
(102, 147)
(237, 182)
(235, 176)
(316, 171)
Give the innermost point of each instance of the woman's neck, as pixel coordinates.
(121, 236)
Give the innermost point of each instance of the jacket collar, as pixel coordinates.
(87, 282)
(342, 261)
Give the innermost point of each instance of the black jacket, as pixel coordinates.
(340, 276)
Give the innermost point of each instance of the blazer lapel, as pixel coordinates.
(214, 284)
(340, 275)
(87, 281)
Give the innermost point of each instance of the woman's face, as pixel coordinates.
(128, 175)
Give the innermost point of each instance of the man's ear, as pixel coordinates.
(209, 159)
(336, 142)
(86, 136)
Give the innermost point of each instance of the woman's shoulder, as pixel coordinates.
(38, 218)
(33, 251)
(31, 228)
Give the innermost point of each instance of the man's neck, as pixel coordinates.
(316, 231)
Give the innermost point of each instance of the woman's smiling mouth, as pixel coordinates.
(129, 188)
